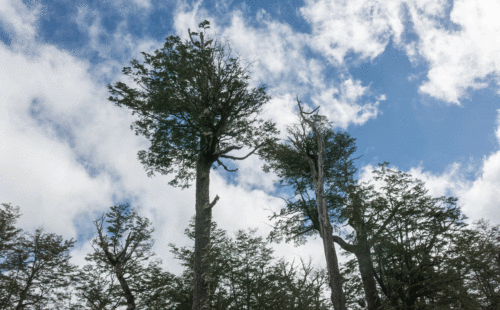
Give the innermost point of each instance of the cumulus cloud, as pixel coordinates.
(19, 21)
(478, 198)
(363, 27)
(343, 107)
(463, 59)
(67, 153)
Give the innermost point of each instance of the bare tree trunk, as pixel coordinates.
(337, 296)
(126, 289)
(365, 265)
(326, 229)
(369, 284)
(203, 221)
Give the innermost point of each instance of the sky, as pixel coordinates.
(415, 82)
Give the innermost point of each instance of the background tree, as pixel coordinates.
(245, 275)
(98, 289)
(299, 286)
(122, 249)
(414, 255)
(478, 261)
(8, 230)
(37, 272)
(313, 160)
(9, 235)
(195, 107)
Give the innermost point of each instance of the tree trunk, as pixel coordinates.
(126, 289)
(203, 221)
(326, 229)
(332, 264)
(24, 293)
(366, 269)
(365, 265)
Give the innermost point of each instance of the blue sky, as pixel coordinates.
(416, 82)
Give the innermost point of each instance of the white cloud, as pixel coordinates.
(116, 48)
(462, 59)
(73, 151)
(19, 21)
(342, 105)
(363, 27)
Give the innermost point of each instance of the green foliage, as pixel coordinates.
(352, 284)
(478, 260)
(299, 218)
(245, 275)
(125, 250)
(413, 254)
(36, 272)
(190, 102)
(8, 231)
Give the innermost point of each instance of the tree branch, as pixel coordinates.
(244, 157)
(212, 204)
(343, 244)
(384, 225)
(227, 169)
(228, 149)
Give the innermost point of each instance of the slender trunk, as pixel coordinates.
(366, 269)
(24, 293)
(326, 229)
(365, 265)
(22, 297)
(332, 264)
(203, 221)
(126, 289)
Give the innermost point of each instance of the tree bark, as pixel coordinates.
(366, 269)
(203, 221)
(337, 296)
(326, 229)
(365, 265)
(126, 289)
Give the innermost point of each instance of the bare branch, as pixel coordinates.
(230, 170)
(212, 204)
(244, 157)
(189, 31)
(228, 149)
(344, 245)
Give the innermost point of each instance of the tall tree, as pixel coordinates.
(316, 163)
(195, 107)
(37, 271)
(303, 162)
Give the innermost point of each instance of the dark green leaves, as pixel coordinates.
(287, 160)
(192, 102)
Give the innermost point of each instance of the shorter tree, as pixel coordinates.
(9, 235)
(414, 253)
(98, 290)
(37, 272)
(478, 261)
(8, 230)
(244, 275)
(122, 251)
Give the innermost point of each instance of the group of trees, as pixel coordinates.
(123, 273)
(407, 250)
